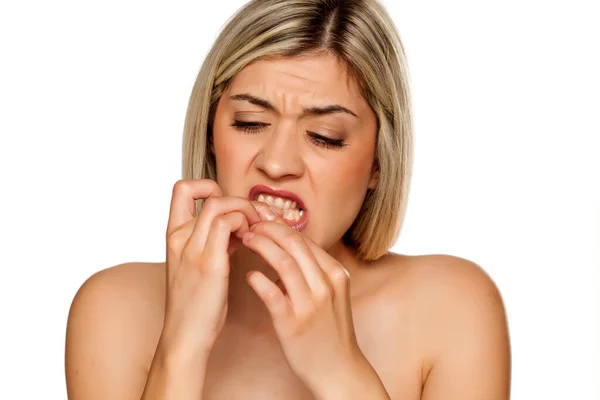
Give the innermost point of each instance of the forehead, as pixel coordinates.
(311, 79)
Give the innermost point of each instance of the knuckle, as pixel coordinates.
(323, 294)
(212, 183)
(307, 315)
(176, 239)
(211, 204)
(340, 276)
(287, 263)
(294, 239)
(273, 296)
(220, 223)
(181, 186)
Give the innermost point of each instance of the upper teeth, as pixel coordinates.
(278, 202)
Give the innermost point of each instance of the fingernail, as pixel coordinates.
(269, 213)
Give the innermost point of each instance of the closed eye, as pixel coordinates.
(250, 127)
(319, 140)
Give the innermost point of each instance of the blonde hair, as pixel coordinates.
(364, 39)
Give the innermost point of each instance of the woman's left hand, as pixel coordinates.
(312, 316)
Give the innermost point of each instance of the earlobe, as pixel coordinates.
(211, 144)
(374, 177)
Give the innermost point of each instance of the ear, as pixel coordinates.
(374, 176)
(210, 143)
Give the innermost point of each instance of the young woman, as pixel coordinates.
(278, 281)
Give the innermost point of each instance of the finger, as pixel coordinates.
(268, 213)
(213, 207)
(339, 278)
(278, 304)
(235, 238)
(183, 200)
(215, 255)
(294, 244)
(286, 266)
(215, 268)
(175, 243)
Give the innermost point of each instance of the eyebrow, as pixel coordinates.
(335, 108)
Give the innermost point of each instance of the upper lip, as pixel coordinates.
(258, 189)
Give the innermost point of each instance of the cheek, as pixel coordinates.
(224, 152)
(345, 186)
(356, 175)
(229, 152)
(227, 161)
(352, 174)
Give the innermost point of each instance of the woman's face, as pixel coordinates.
(282, 151)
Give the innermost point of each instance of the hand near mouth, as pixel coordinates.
(268, 213)
(309, 306)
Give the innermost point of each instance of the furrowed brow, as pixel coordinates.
(332, 109)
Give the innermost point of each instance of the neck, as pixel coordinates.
(245, 308)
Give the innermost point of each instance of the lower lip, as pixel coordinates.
(299, 225)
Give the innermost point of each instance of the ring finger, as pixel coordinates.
(295, 283)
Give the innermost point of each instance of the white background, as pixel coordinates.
(506, 97)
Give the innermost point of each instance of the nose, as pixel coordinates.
(280, 153)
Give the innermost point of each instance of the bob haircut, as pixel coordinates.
(362, 36)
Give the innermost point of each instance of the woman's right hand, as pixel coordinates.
(197, 262)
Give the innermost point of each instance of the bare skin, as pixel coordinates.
(432, 326)
(412, 317)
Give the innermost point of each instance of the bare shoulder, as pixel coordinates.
(461, 319)
(130, 287)
(113, 326)
(450, 290)
(447, 278)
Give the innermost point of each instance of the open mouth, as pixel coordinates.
(293, 214)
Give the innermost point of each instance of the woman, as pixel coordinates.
(278, 282)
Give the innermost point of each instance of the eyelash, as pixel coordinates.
(321, 141)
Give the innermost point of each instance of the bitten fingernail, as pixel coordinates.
(269, 213)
